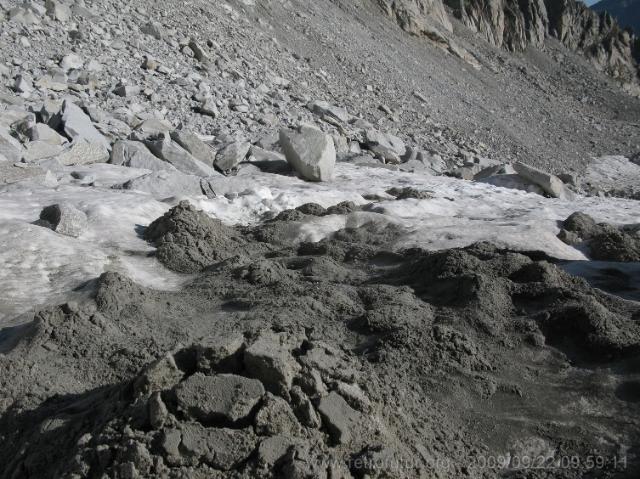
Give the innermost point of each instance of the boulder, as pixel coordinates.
(171, 152)
(78, 126)
(389, 147)
(310, 152)
(10, 147)
(65, 219)
(326, 110)
(552, 185)
(81, 153)
(164, 184)
(194, 145)
(43, 132)
(230, 156)
(135, 154)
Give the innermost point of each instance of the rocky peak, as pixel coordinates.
(518, 24)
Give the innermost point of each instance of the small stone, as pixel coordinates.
(209, 108)
(155, 29)
(157, 411)
(126, 90)
(71, 62)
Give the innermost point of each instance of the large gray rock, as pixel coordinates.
(43, 132)
(165, 184)
(78, 126)
(389, 147)
(223, 397)
(194, 145)
(10, 147)
(310, 152)
(135, 154)
(65, 219)
(329, 111)
(82, 153)
(39, 150)
(552, 185)
(150, 129)
(231, 155)
(166, 149)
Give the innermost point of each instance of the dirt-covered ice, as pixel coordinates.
(337, 358)
(454, 213)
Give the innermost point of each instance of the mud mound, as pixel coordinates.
(277, 404)
(604, 241)
(188, 240)
(329, 359)
(498, 288)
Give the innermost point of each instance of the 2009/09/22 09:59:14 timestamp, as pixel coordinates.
(545, 462)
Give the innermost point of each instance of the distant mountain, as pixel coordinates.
(626, 12)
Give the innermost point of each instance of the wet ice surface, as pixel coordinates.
(41, 266)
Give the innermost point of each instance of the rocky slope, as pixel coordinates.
(516, 25)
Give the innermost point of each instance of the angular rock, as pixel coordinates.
(78, 126)
(194, 145)
(81, 153)
(58, 10)
(171, 152)
(42, 132)
(126, 90)
(209, 108)
(71, 62)
(231, 155)
(389, 147)
(150, 129)
(10, 147)
(223, 397)
(40, 150)
(165, 183)
(552, 185)
(268, 161)
(135, 154)
(65, 219)
(155, 29)
(310, 152)
(325, 109)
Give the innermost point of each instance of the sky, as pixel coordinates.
(590, 2)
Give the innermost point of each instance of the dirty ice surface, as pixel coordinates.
(40, 266)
